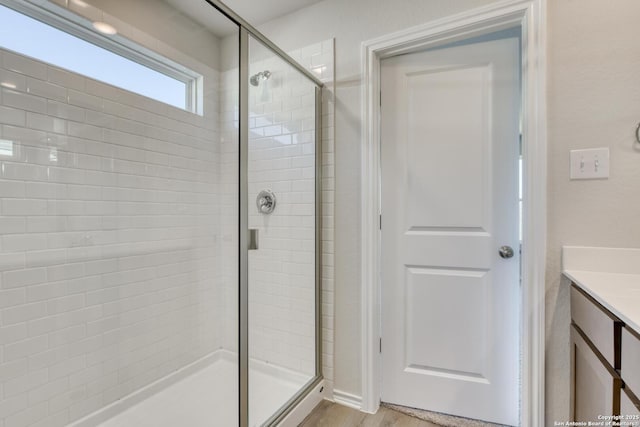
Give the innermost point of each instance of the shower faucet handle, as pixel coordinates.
(266, 202)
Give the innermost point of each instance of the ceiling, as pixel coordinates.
(255, 12)
(258, 12)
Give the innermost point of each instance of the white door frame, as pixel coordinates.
(529, 15)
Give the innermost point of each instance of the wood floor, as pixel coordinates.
(328, 414)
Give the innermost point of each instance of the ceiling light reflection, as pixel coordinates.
(104, 28)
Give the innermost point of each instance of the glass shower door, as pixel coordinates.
(283, 244)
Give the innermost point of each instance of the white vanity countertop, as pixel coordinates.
(610, 275)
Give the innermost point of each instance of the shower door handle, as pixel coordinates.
(253, 239)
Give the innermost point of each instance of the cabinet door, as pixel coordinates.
(629, 407)
(595, 386)
(597, 323)
(630, 364)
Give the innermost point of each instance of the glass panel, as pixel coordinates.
(281, 182)
(119, 222)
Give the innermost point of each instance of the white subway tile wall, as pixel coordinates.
(110, 248)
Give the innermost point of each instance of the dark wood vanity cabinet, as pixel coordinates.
(605, 362)
(595, 387)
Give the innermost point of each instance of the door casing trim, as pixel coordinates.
(529, 16)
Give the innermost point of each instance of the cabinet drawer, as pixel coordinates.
(595, 387)
(628, 408)
(600, 326)
(630, 360)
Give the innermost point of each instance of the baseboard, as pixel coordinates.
(347, 399)
(306, 406)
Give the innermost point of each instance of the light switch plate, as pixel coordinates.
(592, 163)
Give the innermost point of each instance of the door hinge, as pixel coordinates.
(381, 98)
(380, 345)
(380, 222)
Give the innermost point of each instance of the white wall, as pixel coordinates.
(594, 60)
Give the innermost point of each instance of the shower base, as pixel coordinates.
(206, 397)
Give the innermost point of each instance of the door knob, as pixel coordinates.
(505, 252)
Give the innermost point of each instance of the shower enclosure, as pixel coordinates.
(159, 217)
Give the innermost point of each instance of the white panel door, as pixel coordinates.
(450, 302)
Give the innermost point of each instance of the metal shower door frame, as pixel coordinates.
(247, 31)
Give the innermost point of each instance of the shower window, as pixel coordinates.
(106, 57)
